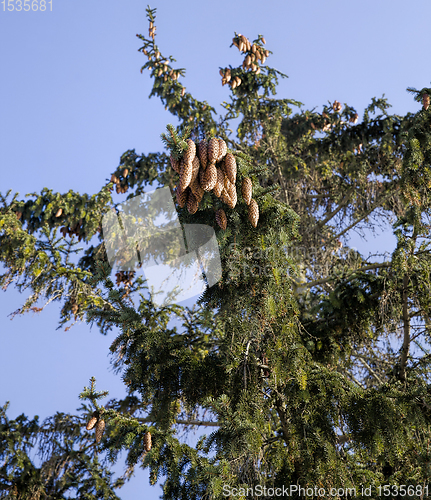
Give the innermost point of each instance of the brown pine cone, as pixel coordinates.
(253, 212)
(247, 189)
(218, 188)
(186, 173)
(230, 166)
(195, 169)
(232, 195)
(426, 101)
(175, 164)
(197, 190)
(147, 441)
(221, 218)
(192, 203)
(182, 196)
(213, 149)
(92, 422)
(59, 212)
(190, 151)
(203, 154)
(222, 149)
(225, 198)
(100, 427)
(209, 178)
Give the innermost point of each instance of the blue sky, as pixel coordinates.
(73, 100)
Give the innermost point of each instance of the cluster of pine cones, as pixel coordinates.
(209, 167)
(120, 187)
(99, 423)
(125, 277)
(254, 53)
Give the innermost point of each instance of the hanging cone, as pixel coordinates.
(196, 189)
(253, 212)
(247, 60)
(213, 147)
(225, 198)
(125, 172)
(181, 197)
(222, 149)
(190, 151)
(59, 212)
(209, 178)
(233, 196)
(218, 188)
(175, 164)
(203, 154)
(221, 218)
(147, 441)
(186, 173)
(183, 91)
(92, 422)
(426, 101)
(246, 190)
(195, 167)
(192, 203)
(100, 427)
(230, 166)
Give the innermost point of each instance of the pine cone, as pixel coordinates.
(100, 427)
(186, 173)
(197, 190)
(232, 195)
(175, 164)
(218, 188)
(203, 154)
(225, 198)
(209, 178)
(192, 203)
(59, 212)
(213, 149)
(190, 151)
(182, 196)
(92, 422)
(222, 149)
(147, 441)
(246, 189)
(230, 166)
(195, 166)
(221, 218)
(426, 101)
(253, 212)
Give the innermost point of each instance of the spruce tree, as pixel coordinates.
(288, 357)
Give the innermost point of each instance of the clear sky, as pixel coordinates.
(72, 100)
